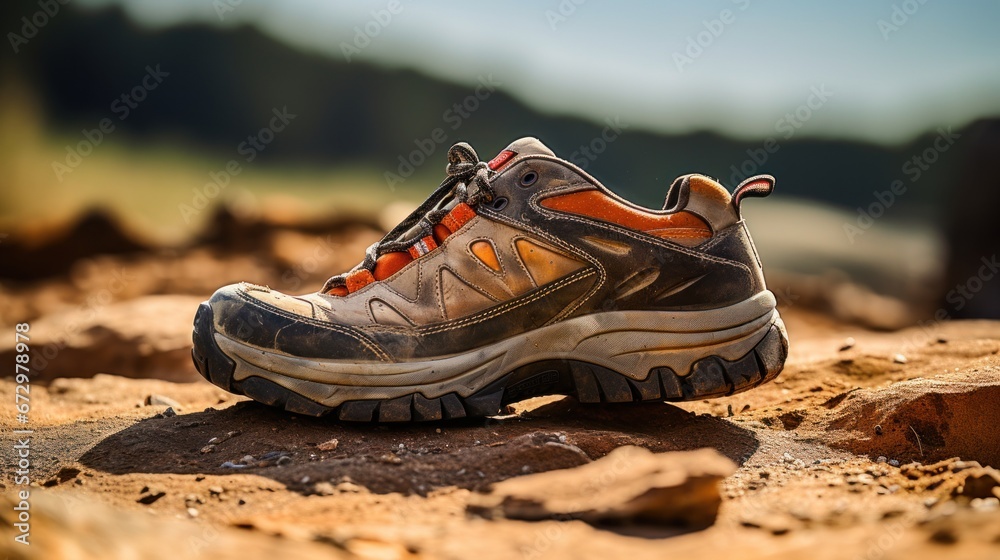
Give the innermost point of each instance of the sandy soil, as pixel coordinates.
(848, 454)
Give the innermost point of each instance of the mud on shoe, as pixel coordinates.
(517, 277)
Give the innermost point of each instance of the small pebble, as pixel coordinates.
(985, 504)
(390, 459)
(247, 459)
(215, 490)
(881, 459)
(894, 462)
(168, 413)
(328, 445)
(160, 400)
(899, 359)
(348, 487)
(192, 512)
(283, 460)
(232, 465)
(849, 343)
(787, 457)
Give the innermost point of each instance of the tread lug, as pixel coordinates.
(426, 409)
(586, 384)
(452, 407)
(614, 386)
(484, 403)
(357, 411)
(395, 410)
(649, 388)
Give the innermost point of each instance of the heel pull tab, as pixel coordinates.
(756, 186)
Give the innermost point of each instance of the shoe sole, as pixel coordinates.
(681, 356)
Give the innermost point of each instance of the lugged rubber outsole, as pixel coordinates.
(711, 376)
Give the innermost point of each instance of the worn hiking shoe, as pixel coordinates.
(519, 277)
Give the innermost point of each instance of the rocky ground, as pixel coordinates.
(871, 444)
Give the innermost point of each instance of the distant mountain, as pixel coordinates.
(223, 85)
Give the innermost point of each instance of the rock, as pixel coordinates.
(192, 512)
(208, 448)
(248, 459)
(216, 490)
(630, 484)
(168, 413)
(328, 445)
(324, 489)
(849, 343)
(160, 400)
(232, 465)
(390, 459)
(283, 460)
(925, 419)
(150, 495)
(65, 474)
(349, 488)
(899, 359)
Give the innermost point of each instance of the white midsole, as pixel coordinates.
(629, 342)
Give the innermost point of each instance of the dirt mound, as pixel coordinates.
(922, 420)
(148, 337)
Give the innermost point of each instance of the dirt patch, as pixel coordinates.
(922, 419)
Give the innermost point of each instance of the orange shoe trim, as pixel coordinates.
(358, 279)
(597, 205)
(458, 217)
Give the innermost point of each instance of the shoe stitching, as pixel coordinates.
(375, 349)
(495, 311)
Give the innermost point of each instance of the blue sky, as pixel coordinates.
(937, 65)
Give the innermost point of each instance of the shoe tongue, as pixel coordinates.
(523, 147)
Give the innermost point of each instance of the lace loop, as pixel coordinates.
(464, 169)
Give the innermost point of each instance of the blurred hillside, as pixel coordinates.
(223, 85)
(350, 124)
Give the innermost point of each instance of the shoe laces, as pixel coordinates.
(464, 169)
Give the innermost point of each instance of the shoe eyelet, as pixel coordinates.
(529, 179)
(499, 203)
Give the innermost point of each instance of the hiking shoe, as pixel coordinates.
(519, 277)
